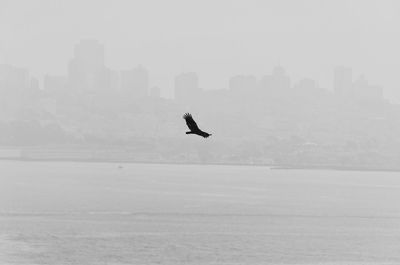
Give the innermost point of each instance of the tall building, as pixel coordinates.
(307, 89)
(365, 92)
(13, 78)
(155, 92)
(277, 83)
(15, 86)
(86, 70)
(343, 81)
(187, 87)
(306, 85)
(280, 79)
(134, 83)
(53, 84)
(34, 87)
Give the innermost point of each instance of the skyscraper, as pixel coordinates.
(187, 87)
(13, 78)
(280, 79)
(155, 92)
(54, 84)
(86, 70)
(343, 81)
(14, 87)
(277, 83)
(365, 92)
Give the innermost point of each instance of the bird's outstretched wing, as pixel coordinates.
(190, 122)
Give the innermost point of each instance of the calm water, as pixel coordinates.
(93, 213)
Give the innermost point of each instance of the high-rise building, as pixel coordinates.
(13, 78)
(365, 92)
(134, 83)
(90, 54)
(278, 82)
(343, 81)
(86, 70)
(307, 88)
(155, 92)
(187, 87)
(53, 84)
(34, 87)
(280, 79)
(15, 87)
(306, 84)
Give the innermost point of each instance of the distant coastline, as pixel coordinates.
(336, 167)
(137, 162)
(270, 166)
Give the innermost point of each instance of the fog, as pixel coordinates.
(199, 132)
(284, 83)
(215, 39)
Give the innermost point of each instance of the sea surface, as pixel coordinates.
(105, 213)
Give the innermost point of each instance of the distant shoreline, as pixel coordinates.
(270, 166)
(337, 168)
(134, 162)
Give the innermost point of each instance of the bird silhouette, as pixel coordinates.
(194, 129)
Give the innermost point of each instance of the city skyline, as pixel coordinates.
(199, 132)
(175, 38)
(95, 101)
(89, 57)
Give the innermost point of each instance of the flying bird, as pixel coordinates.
(194, 129)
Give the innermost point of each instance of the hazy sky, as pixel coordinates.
(216, 39)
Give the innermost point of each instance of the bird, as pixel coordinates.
(194, 129)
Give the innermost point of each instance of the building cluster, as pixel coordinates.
(267, 118)
(279, 85)
(346, 87)
(89, 80)
(88, 75)
(16, 87)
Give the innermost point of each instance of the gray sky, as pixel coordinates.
(217, 39)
